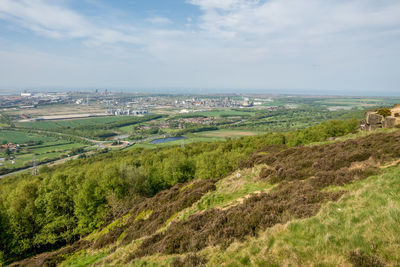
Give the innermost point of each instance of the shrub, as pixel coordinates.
(384, 112)
(360, 259)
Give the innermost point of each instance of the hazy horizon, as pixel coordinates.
(210, 91)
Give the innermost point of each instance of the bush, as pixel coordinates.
(361, 259)
(384, 112)
(1, 258)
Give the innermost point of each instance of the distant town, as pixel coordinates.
(122, 104)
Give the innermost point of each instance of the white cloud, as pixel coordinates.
(159, 20)
(301, 19)
(223, 4)
(48, 19)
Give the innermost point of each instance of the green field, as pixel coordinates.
(17, 137)
(358, 102)
(222, 113)
(40, 154)
(71, 123)
(226, 133)
(56, 148)
(50, 148)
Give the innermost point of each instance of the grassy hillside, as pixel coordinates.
(329, 203)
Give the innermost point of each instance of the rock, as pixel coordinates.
(363, 125)
(389, 122)
(374, 119)
(374, 127)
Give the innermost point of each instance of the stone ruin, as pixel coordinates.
(373, 120)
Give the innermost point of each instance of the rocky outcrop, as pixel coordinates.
(373, 120)
(389, 122)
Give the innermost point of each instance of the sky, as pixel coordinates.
(318, 46)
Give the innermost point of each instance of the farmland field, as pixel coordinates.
(216, 113)
(73, 123)
(33, 146)
(224, 113)
(227, 133)
(357, 102)
(210, 124)
(95, 128)
(7, 136)
(49, 153)
(57, 109)
(56, 148)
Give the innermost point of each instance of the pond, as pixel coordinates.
(167, 139)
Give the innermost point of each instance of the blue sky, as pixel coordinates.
(323, 46)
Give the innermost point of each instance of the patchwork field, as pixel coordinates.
(33, 146)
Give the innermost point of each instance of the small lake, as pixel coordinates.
(167, 139)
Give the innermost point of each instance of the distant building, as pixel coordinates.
(25, 94)
(10, 146)
(126, 112)
(247, 103)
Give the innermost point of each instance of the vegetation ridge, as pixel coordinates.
(278, 183)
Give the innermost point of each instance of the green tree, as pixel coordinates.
(23, 215)
(55, 202)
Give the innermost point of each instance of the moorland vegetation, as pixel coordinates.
(65, 203)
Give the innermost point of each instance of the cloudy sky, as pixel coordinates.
(350, 46)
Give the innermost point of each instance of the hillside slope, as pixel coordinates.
(333, 203)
